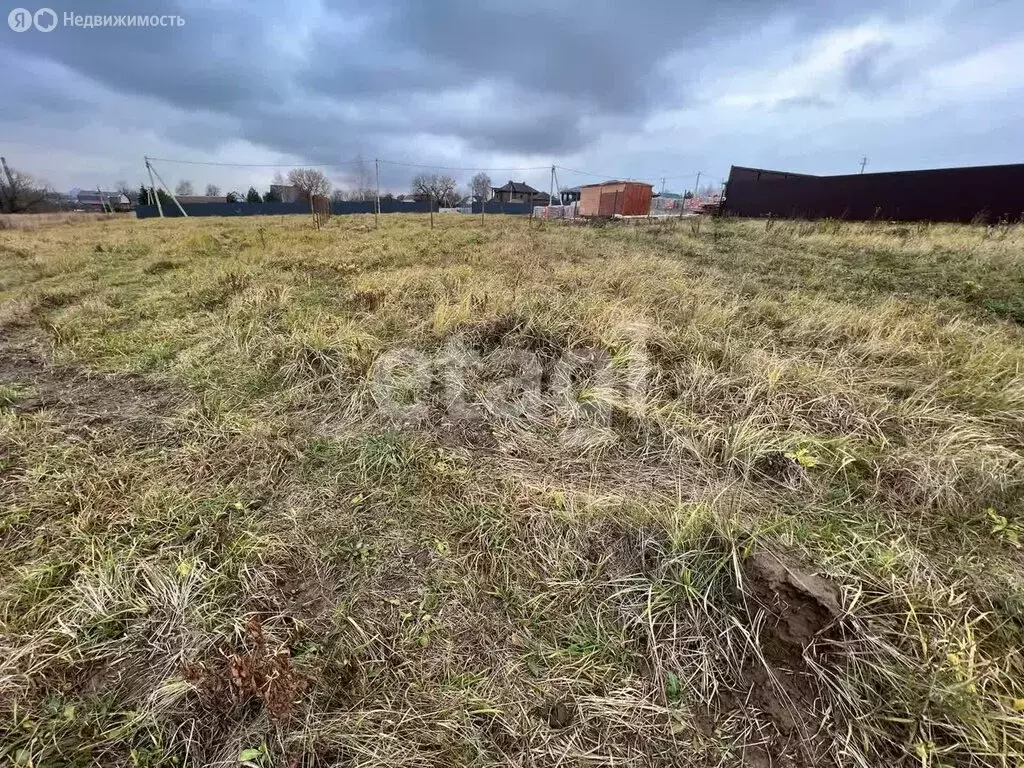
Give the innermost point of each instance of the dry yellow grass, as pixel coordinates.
(43, 220)
(511, 494)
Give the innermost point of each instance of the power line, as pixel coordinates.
(587, 173)
(355, 163)
(621, 176)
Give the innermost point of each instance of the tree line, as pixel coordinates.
(20, 192)
(442, 189)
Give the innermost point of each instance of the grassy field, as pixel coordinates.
(511, 494)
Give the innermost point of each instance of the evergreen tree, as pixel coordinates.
(252, 196)
(145, 197)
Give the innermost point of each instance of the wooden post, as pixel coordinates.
(152, 189)
(376, 209)
(430, 203)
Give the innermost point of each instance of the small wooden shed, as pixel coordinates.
(615, 198)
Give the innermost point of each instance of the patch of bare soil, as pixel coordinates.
(800, 609)
(86, 403)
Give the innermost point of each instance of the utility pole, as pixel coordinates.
(693, 196)
(7, 172)
(152, 188)
(662, 186)
(168, 189)
(376, 208)
(863, 162)
(551, 192)
(10, 183)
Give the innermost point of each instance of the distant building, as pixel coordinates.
(518, 192)
(570, 195)
(97, 200)
(615, 198)
(286, 193)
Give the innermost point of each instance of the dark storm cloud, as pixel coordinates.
(198, 66)
(324, 83)
(869, 69)
(552, 68)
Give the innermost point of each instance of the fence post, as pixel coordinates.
(376, 206)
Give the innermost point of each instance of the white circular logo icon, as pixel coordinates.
(45, 19)
(19, 19)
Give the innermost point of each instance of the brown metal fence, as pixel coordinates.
(980, 193)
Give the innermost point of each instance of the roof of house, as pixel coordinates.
(92, 195)
(615, 181)
(516, 186)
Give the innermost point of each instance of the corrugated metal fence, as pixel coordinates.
(986, 193)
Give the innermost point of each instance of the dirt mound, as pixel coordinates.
(800, 610)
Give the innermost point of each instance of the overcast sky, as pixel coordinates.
(642, 90)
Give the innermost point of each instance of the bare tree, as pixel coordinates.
(337, 196)
(184, 187)
(212, 190)
(443, 189)
(123, 188)
(309, 181)
(20, 192)
(480, 187)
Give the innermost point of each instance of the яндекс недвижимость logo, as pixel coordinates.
(22, 19)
